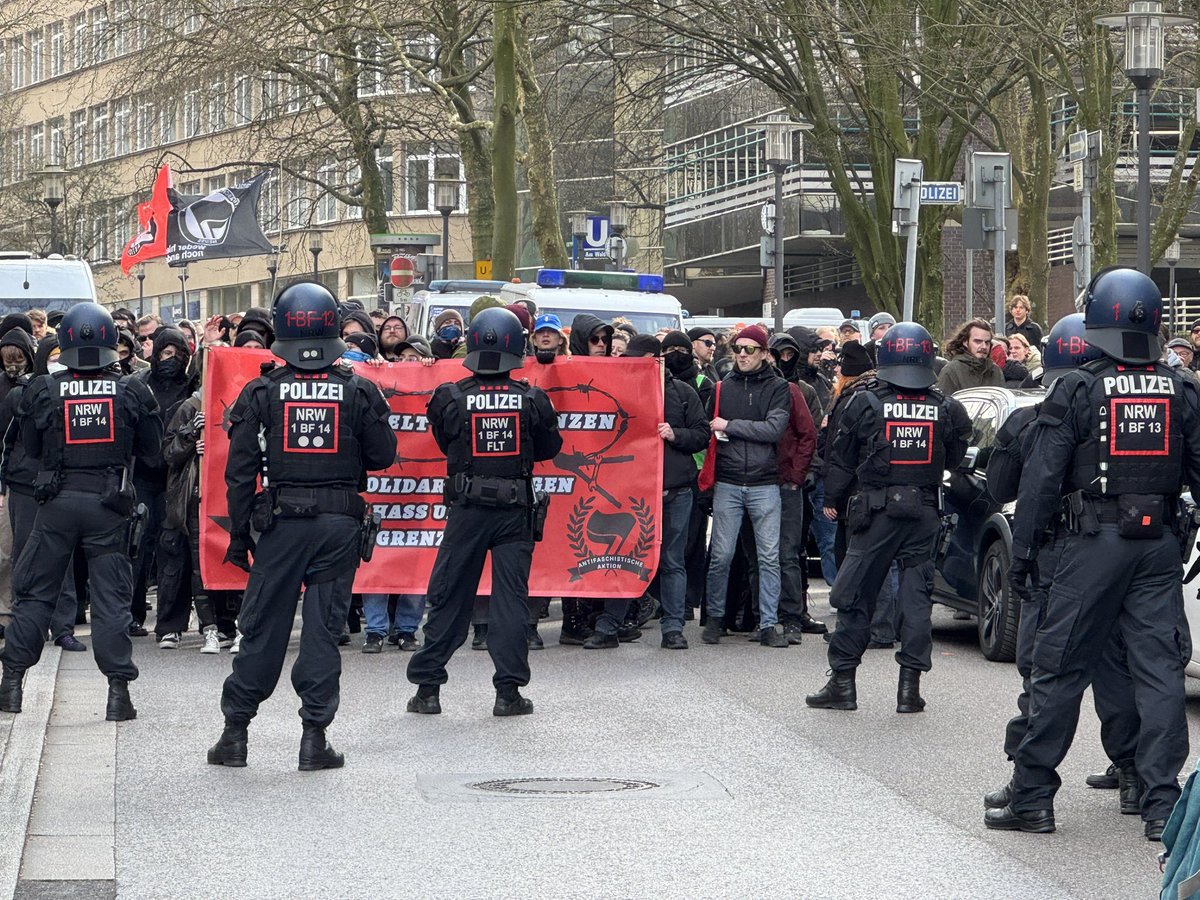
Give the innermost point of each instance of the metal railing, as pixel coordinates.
(823, 275)
(718, 202)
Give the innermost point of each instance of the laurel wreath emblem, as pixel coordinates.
(576, 523)
(645, 520)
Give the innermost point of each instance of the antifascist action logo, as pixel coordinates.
(614, 533)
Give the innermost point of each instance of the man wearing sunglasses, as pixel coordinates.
(704, 345)
(590, 336)
(753, 407)
(146, 327)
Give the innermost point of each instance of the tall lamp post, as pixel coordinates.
(316, 243)
(445, 201)
(1143, 22)
(578, 219)
(1171, 255)
(54, 190)
(618, 221)
(778, 154)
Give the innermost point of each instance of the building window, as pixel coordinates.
(37, 56)
(56, 141)
(216, 107)
(100, 235)
(81, 45)
(372, 81)
(122, 110)
(422, 53)
(243, 100)
(191, 114)
(58, 50)
(79, 138)
(327, 205)
(121, 28)
(168, 133)
(37, 145)
(17, 155)
(299, 204)
(270, 96)
(101, 145)
(422, 164)
(295, 95)
(101, 35)
(268, 204)
(353, 175)
(16, 60)
(147, 119)
(214, 183)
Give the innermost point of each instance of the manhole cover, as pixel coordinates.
(541, 787)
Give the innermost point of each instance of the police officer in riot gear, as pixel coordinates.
(86, 426)
(492, 429)
(1110, 450)
(318, 428)
(897, 436)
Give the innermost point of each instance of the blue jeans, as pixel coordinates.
(409, 610)
(825, 534)
(672, 571)
(730, 503)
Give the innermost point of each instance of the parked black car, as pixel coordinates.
(972, 564)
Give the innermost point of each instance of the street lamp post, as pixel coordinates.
(445, 201)
(578, 219)
(1143, 22)
(316, 243)
(618, 221)
(54, 189)
(778, 154)
(141, 277)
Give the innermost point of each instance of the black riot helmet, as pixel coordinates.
(1122, 312)
(87, 338)
(1066, 348)
(307, 326)
(904, 356)
(495, 342)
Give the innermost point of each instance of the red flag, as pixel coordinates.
(151, 240)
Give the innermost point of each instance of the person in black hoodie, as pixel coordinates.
(169, 383)
(684, 431)
(808, 366)
(590, 336)
(18, 472)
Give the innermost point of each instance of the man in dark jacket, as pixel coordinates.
(969, 355)
(169, 383)
(752, 410)
(808, 369)
(684, 431)
(590, 336)
(704, 346)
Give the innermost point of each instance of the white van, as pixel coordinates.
(426, 305)
(606, 295)
(815, 317)
(32, 282)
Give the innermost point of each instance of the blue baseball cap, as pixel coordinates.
(549, 320)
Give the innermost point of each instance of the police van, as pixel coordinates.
(606, 295)
(50, 283)
(427, 304)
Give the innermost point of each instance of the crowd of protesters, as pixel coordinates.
(745, 420)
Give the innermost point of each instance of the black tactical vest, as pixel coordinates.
(88, 430)
(312, 439)
(912, 440)
(1135, 445)
(495, 437)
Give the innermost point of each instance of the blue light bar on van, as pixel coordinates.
(613, 281)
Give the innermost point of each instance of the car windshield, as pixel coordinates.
(985, 419)
(644, 322)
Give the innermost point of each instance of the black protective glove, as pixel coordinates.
(1023, 578)
(240, 548)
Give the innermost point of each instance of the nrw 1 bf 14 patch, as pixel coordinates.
(88, 421)
(912, 442)
(311, 427)
(495, 434)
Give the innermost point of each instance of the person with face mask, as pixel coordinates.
(360, 347)
(447, 333)
(168, 382)
(127, 357)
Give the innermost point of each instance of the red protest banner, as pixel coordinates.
(602, 533)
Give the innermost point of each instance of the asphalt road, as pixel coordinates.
(737, 788)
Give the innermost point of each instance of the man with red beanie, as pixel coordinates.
(752, 410)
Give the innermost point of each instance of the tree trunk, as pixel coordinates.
(504, 142)
(539, 161)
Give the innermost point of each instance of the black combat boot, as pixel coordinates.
(999, 799)
(509, 702)
(10, 690)
(426, 700)
(120, 707)
(908, 694)
(1130, 787)
(230, 748)
(316, 752)
(839, 692)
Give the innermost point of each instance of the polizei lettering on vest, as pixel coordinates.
(310, 390)
(488, 402)
(89, 388)
(1132, 384)
(920, 411)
